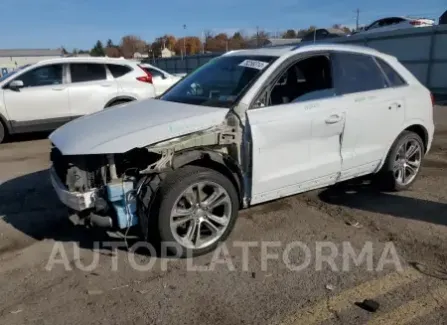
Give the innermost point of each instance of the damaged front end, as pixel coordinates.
(107, 189)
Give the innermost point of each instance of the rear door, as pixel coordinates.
(91, 87)
(375, 111)
(42, 104)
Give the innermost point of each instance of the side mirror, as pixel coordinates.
(16, 84)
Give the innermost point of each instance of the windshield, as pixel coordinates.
(9, 74)
(220, 82)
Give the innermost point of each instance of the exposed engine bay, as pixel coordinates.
(115, 180)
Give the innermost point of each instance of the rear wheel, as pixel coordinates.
(197, 209)
(403, 163)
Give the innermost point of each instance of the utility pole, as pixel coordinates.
(257, 36)
(203, 42)
(357, 20)
(184, 41)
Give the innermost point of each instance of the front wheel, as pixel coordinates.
(403, 162)
(2, 132)
(197, 209)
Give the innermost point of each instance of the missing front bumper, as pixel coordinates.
(74, 200)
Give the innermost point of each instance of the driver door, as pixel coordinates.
(296, 145)
(42, 103)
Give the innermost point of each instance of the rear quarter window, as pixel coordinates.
(394, 78)
(119, 70)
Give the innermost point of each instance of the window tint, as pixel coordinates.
(308, 79)
(394, 78)
(43, 76)
(81, 72)
(155, 73)
(356, 73)
(118, 70)
(220, 82)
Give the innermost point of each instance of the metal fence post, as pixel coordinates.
(430, 57)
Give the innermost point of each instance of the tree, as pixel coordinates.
(290, 33)
(237, 41)
(97, 50)
(259, 39)
(131, 44)
(112, 50)
(168, 41)
(191, 44)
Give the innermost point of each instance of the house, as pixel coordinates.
(138, 55)
(12, 59)
(167, 53)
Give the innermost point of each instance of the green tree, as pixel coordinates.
(97, 50)
(290, 33)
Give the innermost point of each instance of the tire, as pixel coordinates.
(3, 132)
(170, 194)
(387, 179)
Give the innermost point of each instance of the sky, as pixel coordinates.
(80, 23)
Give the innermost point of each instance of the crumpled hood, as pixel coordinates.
(136, 124)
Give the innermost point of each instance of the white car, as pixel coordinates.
(250, 127)
(394, 23)
(45, 95)
(161, 79)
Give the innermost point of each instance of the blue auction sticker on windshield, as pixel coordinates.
(253, 64)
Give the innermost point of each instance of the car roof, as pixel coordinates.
(74, 59)
(288, 50)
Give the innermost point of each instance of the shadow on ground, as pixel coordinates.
(23, 137)
(358, 194)
(30, 205)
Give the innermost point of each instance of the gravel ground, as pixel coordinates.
(227, 287)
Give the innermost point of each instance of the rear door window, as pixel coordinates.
(84, 72)
(118, 70)
(355, 73)
(155, 73)
(393, 77)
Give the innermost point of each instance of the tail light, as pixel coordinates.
(416, 22)
(147, 78)
(432, 99)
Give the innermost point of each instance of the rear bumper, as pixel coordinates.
(74, 200)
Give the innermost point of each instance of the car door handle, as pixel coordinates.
(394, 105)
(106, 85)
(333, 119)
(58, 88)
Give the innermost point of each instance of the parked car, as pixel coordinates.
(161, 79)
(321, 34)
(443, 18)
(45, 95)
(394, 23)
(248, 127)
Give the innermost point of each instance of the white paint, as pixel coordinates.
(136, 124)
(68, 99)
